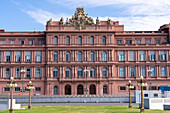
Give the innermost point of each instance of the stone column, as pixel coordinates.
(167, 70)
(2, 56)
(127, 72)
(12, 56)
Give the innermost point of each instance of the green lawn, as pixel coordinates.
(84, 109)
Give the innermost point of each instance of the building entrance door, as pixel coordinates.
(80, 90)
(92, 89)
(67, 90)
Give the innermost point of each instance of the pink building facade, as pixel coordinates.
(81, 56)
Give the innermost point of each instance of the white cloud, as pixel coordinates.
(135, 7)
(148, 15)
(148, 23)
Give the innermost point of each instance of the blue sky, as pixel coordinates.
(30, 15)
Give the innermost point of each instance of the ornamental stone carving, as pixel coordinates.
(97, 21)
(49, 22)
(109, 21)
(61, 21)
(79, 19)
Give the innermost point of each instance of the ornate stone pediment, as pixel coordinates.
(79, 19)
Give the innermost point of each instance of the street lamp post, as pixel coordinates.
(86, 79)
(30, 86)
(142, 83)
(11, 84)
(22, 75)
(129, 86)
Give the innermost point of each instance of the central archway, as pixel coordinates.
(80, 90)
(92, 89)
(67, 89)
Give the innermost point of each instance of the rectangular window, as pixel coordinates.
(17, 88)
(121, 56)
(40, 42)
(155, 95)
(132, 71)
(37, 89)
(28, 56)
(158, 41)
(21, 42)
(38, 72)
(80, 40)
(122, 88)
(17, 72)
(153, 73)
(6, 89)
(91, 40)
(119, 41)
(144, 88)
(148, 41)
(2, 42)
(38, 56)
(68, 73)
(131, 55)
(163, 71)
(153, 88)
(142, 71)
(138, 41)
(142, 56)
(162, 56)
(56, 56)
(7, 56)
(80, 59)
(152, 56)
(18, 56)
(104, 40)
(122, 71)
(129, 42)
(55, 73)
(12, 42)
(145, 95)
(7, 72)
(28, 72)
(31, 42)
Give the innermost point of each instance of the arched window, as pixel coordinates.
(91, 40)
(68, 72)
(80, 90)
(92, 89)
(104, 89)
(55, 72)
(55, 40)
(55, 90)
(80, 72)
(92, 72)
(92, 56)
(67, 56)
(104, 72)
(80, 59)
(56, 56)
(104, 56)
(80, 40)
(104, 40)
(67, 89)
(68, 40)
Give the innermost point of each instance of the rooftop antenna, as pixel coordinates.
(34, 29)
